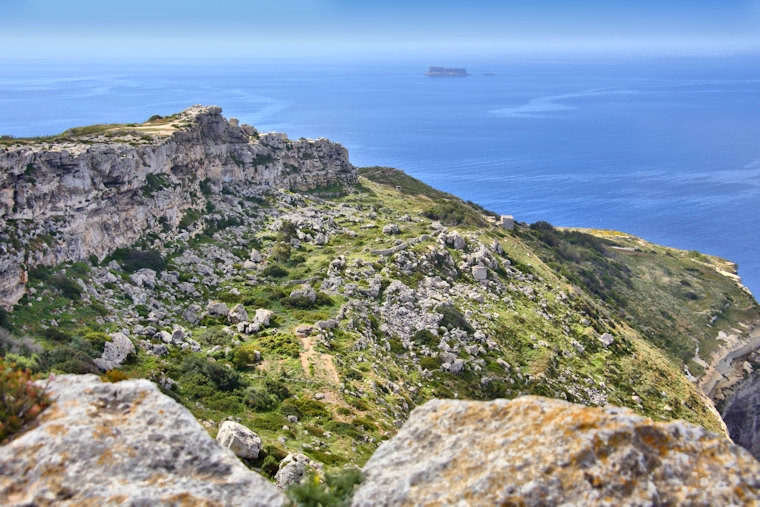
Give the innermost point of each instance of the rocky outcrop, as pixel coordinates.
(92, 191)
(742, 416)
(123, 443)
(115, 352)
(539, 451)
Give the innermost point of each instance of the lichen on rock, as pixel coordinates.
(539, 451)
(114, 443)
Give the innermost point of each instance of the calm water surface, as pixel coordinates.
(666, 149)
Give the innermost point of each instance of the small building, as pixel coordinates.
(507, 222)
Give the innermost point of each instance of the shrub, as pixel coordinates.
(259, 399)
(397, 347)
(4, 321)
(222, 377)
(281, 251)
(21, 400)
(213, 336)
(303, 408)
(68, 287)
(274, 271)
(428, 363)
(455, 213)
(425, 337)
(364, 423)
(132, 259)
(68, 359)
(114, 376)
(453, 318)
(244, 355)
(270, 466)
(335, 491)
(342, 428)
(281, 344)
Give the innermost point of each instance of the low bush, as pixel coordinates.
(132, 259)
(425, 337)
(222, 377)
(21, 400)
(303, 408)
(68, 287)
(335, 491)
(274, 271)
(428, 363)
(453, 318)
(244, 356)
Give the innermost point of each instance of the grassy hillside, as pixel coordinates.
(382, 296)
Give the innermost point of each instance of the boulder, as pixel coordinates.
(126, 443)
(237, 314)
(293, 469)
(305, 291)
(144, 278)
(539, 451)
(326, 324)
(115, 352)
(178, 335)
(391, 229)
(239, 439)
(192, 313)
(164, 336)
(480, 273)
(456, 240)
(262, 316)
(255, 256)
(216, 308)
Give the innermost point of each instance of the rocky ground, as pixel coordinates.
(319, 319)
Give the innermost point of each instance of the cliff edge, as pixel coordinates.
(91, 190)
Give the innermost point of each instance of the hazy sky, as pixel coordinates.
(214, 28)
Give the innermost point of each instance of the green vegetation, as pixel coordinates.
(21, 400)
(334, 491)
(396, 320)
(134, 259)
(154, 183)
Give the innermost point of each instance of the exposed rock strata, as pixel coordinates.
(88, 195)
(538, 451)
(123, 443)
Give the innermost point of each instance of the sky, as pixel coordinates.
(276, 28)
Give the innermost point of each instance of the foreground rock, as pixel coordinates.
(123, 443)
(539, 451)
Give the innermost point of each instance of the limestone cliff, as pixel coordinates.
(94, 189)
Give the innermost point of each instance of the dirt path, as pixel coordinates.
(316, 365)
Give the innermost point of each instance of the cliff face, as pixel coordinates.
(93, 190)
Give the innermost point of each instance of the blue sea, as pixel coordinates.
(667, 149)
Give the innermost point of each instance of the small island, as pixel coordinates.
(446, 72)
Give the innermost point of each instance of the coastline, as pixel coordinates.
(724, 367)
